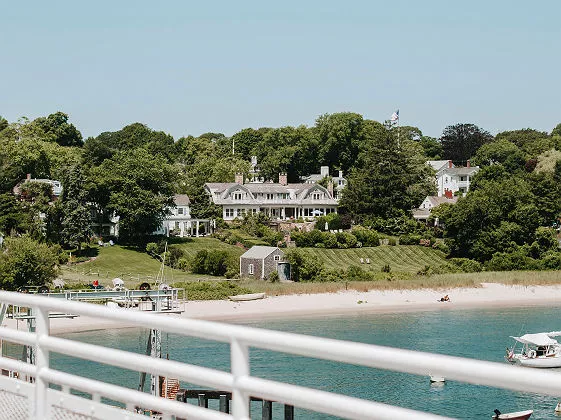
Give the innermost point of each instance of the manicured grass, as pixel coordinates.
(132, 266)
(192, 245)
(401, 258)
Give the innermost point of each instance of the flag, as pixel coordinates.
(395, 116)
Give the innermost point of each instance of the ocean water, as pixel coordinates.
(479, 334)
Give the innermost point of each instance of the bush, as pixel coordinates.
(329, 240)
(392, 242)
(410, 239)
(274, 277)
(367, 237)
(518, 260)
(386, 268)
(347, 239)
(441, 246)
(304, 267)
(211, 290)
(215, 263)
(467, 265)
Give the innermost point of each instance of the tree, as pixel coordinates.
(387, 180)
(432, 147)
(3, 123)
(339, 136)
(555, 132)
(139, 187)
(57, 128)
(76, 217)
(246, 141)
(461, 141)
(531, 141)
(500, 152)
(26, 262)
(12, 217)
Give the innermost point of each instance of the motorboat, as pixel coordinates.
(518, 415)
(249, 296)
(539, 350)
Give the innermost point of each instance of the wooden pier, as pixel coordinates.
(203, 396)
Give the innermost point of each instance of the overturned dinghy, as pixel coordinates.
(249, 296)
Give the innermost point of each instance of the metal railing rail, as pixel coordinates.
(239, 381)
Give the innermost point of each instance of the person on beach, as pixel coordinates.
(444, 299)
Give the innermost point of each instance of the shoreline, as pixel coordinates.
(343, 303)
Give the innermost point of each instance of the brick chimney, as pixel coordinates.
(448, 194)
(450, 165)
(330, 188)
(239, 178)
(468, 164)
(283, 178)
(324, 171)
(340, 174)
(28, 177)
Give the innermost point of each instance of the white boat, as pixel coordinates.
(538, 351)
(518, 415)
(437, 379)
(249, 296)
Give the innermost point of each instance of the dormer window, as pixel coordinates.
(238, 195)
(317, 196)
(180, 210)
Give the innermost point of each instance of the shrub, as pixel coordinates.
(211, 290)
(346, 238)
(441, 246)
(367, 237)
(304, 267)
(386, 268)
(467, 265)
(329, 240)
(410, 239)
(274, 277)
(215, 263)
(392, 242)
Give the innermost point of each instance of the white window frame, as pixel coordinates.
(316, 196)
(250, 269)
(229, 212)
(276, 257)
(180, 210)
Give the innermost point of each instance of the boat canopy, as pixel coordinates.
(539, 339)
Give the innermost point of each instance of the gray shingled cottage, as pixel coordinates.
(260, 261)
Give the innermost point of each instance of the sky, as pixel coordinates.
(190, 67)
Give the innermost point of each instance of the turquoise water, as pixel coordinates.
(481, 334)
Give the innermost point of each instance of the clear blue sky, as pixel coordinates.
(188, 67)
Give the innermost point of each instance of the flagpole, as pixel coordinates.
(398, 143)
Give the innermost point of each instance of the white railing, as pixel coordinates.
(43, 400)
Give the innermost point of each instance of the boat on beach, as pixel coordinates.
(518, 415)
(539, 350)
(249, 296)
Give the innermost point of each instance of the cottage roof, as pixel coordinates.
(259, 252)
(437, 165)
(435, 200)
(462, 171)
(181, 200)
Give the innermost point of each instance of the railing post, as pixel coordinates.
(239, 353)
(41, 363)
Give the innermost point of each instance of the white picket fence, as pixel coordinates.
(35, 400)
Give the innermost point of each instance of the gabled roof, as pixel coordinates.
(259, 252)
(181, 200)
(461, 171)
(437, 165)
(435, 200)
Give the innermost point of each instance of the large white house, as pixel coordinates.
(451, 179)
(281, 201)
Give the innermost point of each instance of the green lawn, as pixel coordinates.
(135, 267)
(403, 258)
(132, 266)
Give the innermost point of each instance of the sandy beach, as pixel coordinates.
(341, 303)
